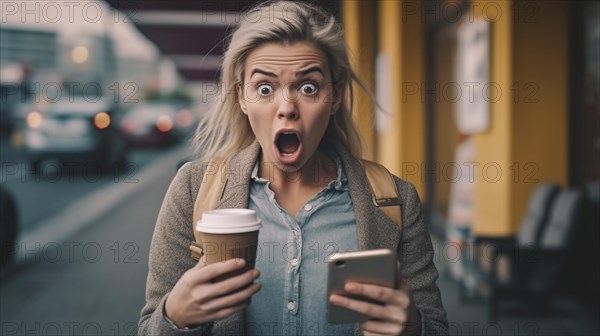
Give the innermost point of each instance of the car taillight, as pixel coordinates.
(102, 120)
(164, 123)
(34, 119)
(184, 118)
(127, 126)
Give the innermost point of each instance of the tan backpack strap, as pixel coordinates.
(209, 194)
(385, 192)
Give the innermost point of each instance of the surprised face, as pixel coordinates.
(289, 97)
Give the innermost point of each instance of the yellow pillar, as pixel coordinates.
(527, 140)
(540, 121)
(492, 149)
(359, 26)
(401, 137)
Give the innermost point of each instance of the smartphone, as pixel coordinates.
(376, 267)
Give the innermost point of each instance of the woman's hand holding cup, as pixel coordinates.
(196, 298)
(222, 282)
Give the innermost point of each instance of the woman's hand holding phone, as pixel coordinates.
(397, 316)
(196, 299)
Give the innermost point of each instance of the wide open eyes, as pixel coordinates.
(265, 89)
(308, 89)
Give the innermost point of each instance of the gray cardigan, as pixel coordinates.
(170, 255)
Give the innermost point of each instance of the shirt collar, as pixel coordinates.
(254, 174)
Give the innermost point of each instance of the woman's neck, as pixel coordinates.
(317, 172)
(293, 189)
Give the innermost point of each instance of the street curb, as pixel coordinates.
(84, 212)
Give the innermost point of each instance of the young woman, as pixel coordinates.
(284, 121)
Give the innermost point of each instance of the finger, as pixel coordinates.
(374, 327)
(231, 300)
(380, 293)
(201, 262)
(367, 333)
(401, 283)
(223, 313)
(227, 286)
(205, 273)
(366, 308)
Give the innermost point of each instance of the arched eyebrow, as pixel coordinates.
(309, 70)
(263, 72)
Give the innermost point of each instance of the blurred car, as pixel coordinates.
(158, 124)
(8, 226)
(75, 129)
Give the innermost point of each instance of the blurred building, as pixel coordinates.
(24, 45)
(89, 45)
(518, 79)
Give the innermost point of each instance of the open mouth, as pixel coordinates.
(287, 143)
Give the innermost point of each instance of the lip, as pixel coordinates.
(288, 160)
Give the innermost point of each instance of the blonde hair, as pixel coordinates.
(225, 130)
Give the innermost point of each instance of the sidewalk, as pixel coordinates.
(568, 317)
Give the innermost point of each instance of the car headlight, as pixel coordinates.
(184, 118)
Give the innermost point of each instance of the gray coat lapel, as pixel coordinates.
(372, 224)
(239, 169)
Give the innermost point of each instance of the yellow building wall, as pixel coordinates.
(389, 30)
(527, 141)
(401, 31)
(492, 148)
(359, 26)
(540, 117)
(446, 138)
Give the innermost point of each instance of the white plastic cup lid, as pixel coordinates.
(229, 221)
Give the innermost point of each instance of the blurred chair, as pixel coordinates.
(556, 240)
(521, 250)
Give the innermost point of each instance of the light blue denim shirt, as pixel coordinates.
(292, 258)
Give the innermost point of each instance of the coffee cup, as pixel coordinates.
(228, 234)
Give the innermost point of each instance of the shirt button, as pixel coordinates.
(291, 305)
(294, 262)
(308, 207)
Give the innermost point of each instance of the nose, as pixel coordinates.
(287, 108)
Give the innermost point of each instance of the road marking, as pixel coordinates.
(87, 210)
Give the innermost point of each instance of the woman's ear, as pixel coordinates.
(241, 100)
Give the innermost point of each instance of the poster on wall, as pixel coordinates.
(473, 75)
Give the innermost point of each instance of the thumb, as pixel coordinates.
(399, 282)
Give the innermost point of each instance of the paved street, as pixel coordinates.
(91, 282)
